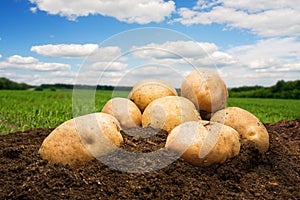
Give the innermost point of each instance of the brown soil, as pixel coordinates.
(250, 175)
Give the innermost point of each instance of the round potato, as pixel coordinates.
(206, 90)
(82, 139)
(168, 112)
(145, 91)
(204, 143)
(125, 111)
(248, 125)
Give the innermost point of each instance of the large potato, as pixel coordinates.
(203, 143)
(206, 90)
(125, 111)
(248, 125)
(145, 91)
(82, 139)
(168, 112)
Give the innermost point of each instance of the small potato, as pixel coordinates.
(81, 139)
(204, 143)
(244, 122)
(206, 90)
(146, 91)
(168, 112)
(125, 111)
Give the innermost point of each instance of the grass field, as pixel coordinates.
(22, 110)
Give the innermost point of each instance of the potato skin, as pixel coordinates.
(147, 90)
(65, 145)
(206, 90)
(125, 111)
(244, 122)
(168, 112)
(204, 143)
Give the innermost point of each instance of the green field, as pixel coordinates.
(22, 110)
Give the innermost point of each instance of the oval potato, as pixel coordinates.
(146, 91)
(168, 112)
(244, 122)
(204, 143)
(82, 139)
(206, 90)
(125, 111)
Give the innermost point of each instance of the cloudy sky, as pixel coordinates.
(118, 42)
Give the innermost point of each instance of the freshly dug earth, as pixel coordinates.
(250, 175)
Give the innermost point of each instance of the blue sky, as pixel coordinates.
(120, 42)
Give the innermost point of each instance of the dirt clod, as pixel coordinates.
(250, 175)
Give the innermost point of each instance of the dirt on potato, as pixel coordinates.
(250, 175)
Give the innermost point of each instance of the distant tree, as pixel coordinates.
(282, 89)
(6, 84)
(278, 87)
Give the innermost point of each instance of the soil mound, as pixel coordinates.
(250, 175)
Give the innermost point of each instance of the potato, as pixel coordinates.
(206, 90)
(249, 126)
(168, 112)
(125, 111)
(145, 91)
(204, 143)
(82, 139)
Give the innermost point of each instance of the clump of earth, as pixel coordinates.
(250, 175)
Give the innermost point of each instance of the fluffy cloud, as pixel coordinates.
(92, 77)
(107, 66)
(262, 17)
(32, 71)
(130, 11)
(71, 51)
(181, 53)
(64, 50)
(274, 52)
(31, 64)
(33, 9)
(128, 76)
(131, 76)
(0, 56)
(264, 62)
(16, 59)
(175, 49)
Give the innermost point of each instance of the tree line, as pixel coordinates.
(281, 90)
(70, 86)
(6, 84)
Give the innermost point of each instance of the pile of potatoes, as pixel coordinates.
(199, 127)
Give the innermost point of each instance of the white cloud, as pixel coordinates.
(182, 53)
(222, 58)
(31, 64)
(33, 9)
(107, 66)
(78, 51)
(130, 76)
(0, 56)
(262, 17)
(40, 77)
(64, 50)
(16, 59)
(175, 49)
(130, 11)
(274, 52)
(264, 62)
(168, 74)
(92, 77)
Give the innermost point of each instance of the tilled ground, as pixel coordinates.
(250, 175)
